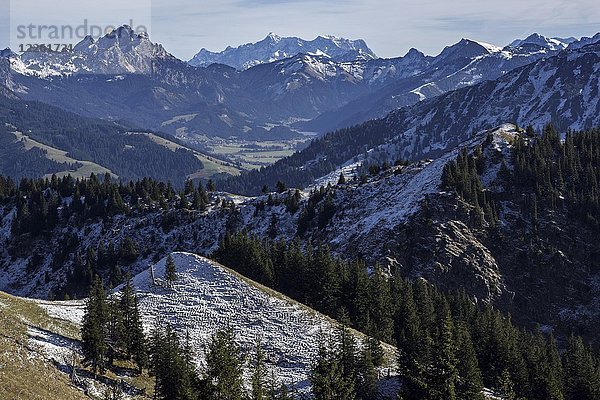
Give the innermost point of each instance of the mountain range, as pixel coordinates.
(306, 92)
(276, 48)
(473, 172)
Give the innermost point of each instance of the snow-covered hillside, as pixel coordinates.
(207, 297)
(366, 214)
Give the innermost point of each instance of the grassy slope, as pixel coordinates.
(25, 373)
(211, 166)
(60, 156)
(21, 375)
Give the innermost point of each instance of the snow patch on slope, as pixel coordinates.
(206, 297)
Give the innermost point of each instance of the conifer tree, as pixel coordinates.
(188, 187)
(506, 387)
(367, 376)
(170, 271)
(347, 352)
(210, 186)
(444, 377)
(113, 392)
(280, 187)
(582, 374)
(224, 366)
(115, 330)
(469, 383)
(259, 374)
(135, 343)
(93, 330)
(327, 377)
(175, 376)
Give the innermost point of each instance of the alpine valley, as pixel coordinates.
(295, 219)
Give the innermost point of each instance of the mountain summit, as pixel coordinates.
(535, 39)
(121, 51)
(274, 48)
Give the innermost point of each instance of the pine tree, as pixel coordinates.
(327, 377)
(280, 187)
(469, 382)
(342, 180)
(412, 347)
(445, 372)
(555, 371)
(93, 330)
(135, 342)
(188, 187)
(506, 387)
(174, 374)
(115, 330)
(367, 376)
(582, 375)
(258, 374)
(224, 366)
(376, 352)
(170, 271)
(113, 392)
(210, 186)
(347, 352)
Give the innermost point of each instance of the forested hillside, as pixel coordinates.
(108, 144)
(510, 188)
(537, 94)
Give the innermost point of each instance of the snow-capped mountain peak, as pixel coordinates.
(272, 37)
(464, 49)
(275, 48)
(122, 51)
(535, 39)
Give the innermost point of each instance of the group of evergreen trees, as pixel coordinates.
(448, 346)
(313, 277)
(112, 329)
(43, 203)
(345, 370)
(559, 174)
(551, 173)
(104, 260)
(176, 376)
(462, 176)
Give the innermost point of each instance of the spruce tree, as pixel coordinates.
(210, 186)
(115, 330)
(175, 376)
(93, 329)
(506, 388)
(327, 377)
(367, 375)
(135, 343)
(224, 366)
(444, 374)
(582, 375)
(113, 392)
(170, 271)
(259, 374)
(469, 383)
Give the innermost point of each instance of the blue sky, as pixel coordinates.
(390, 27)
